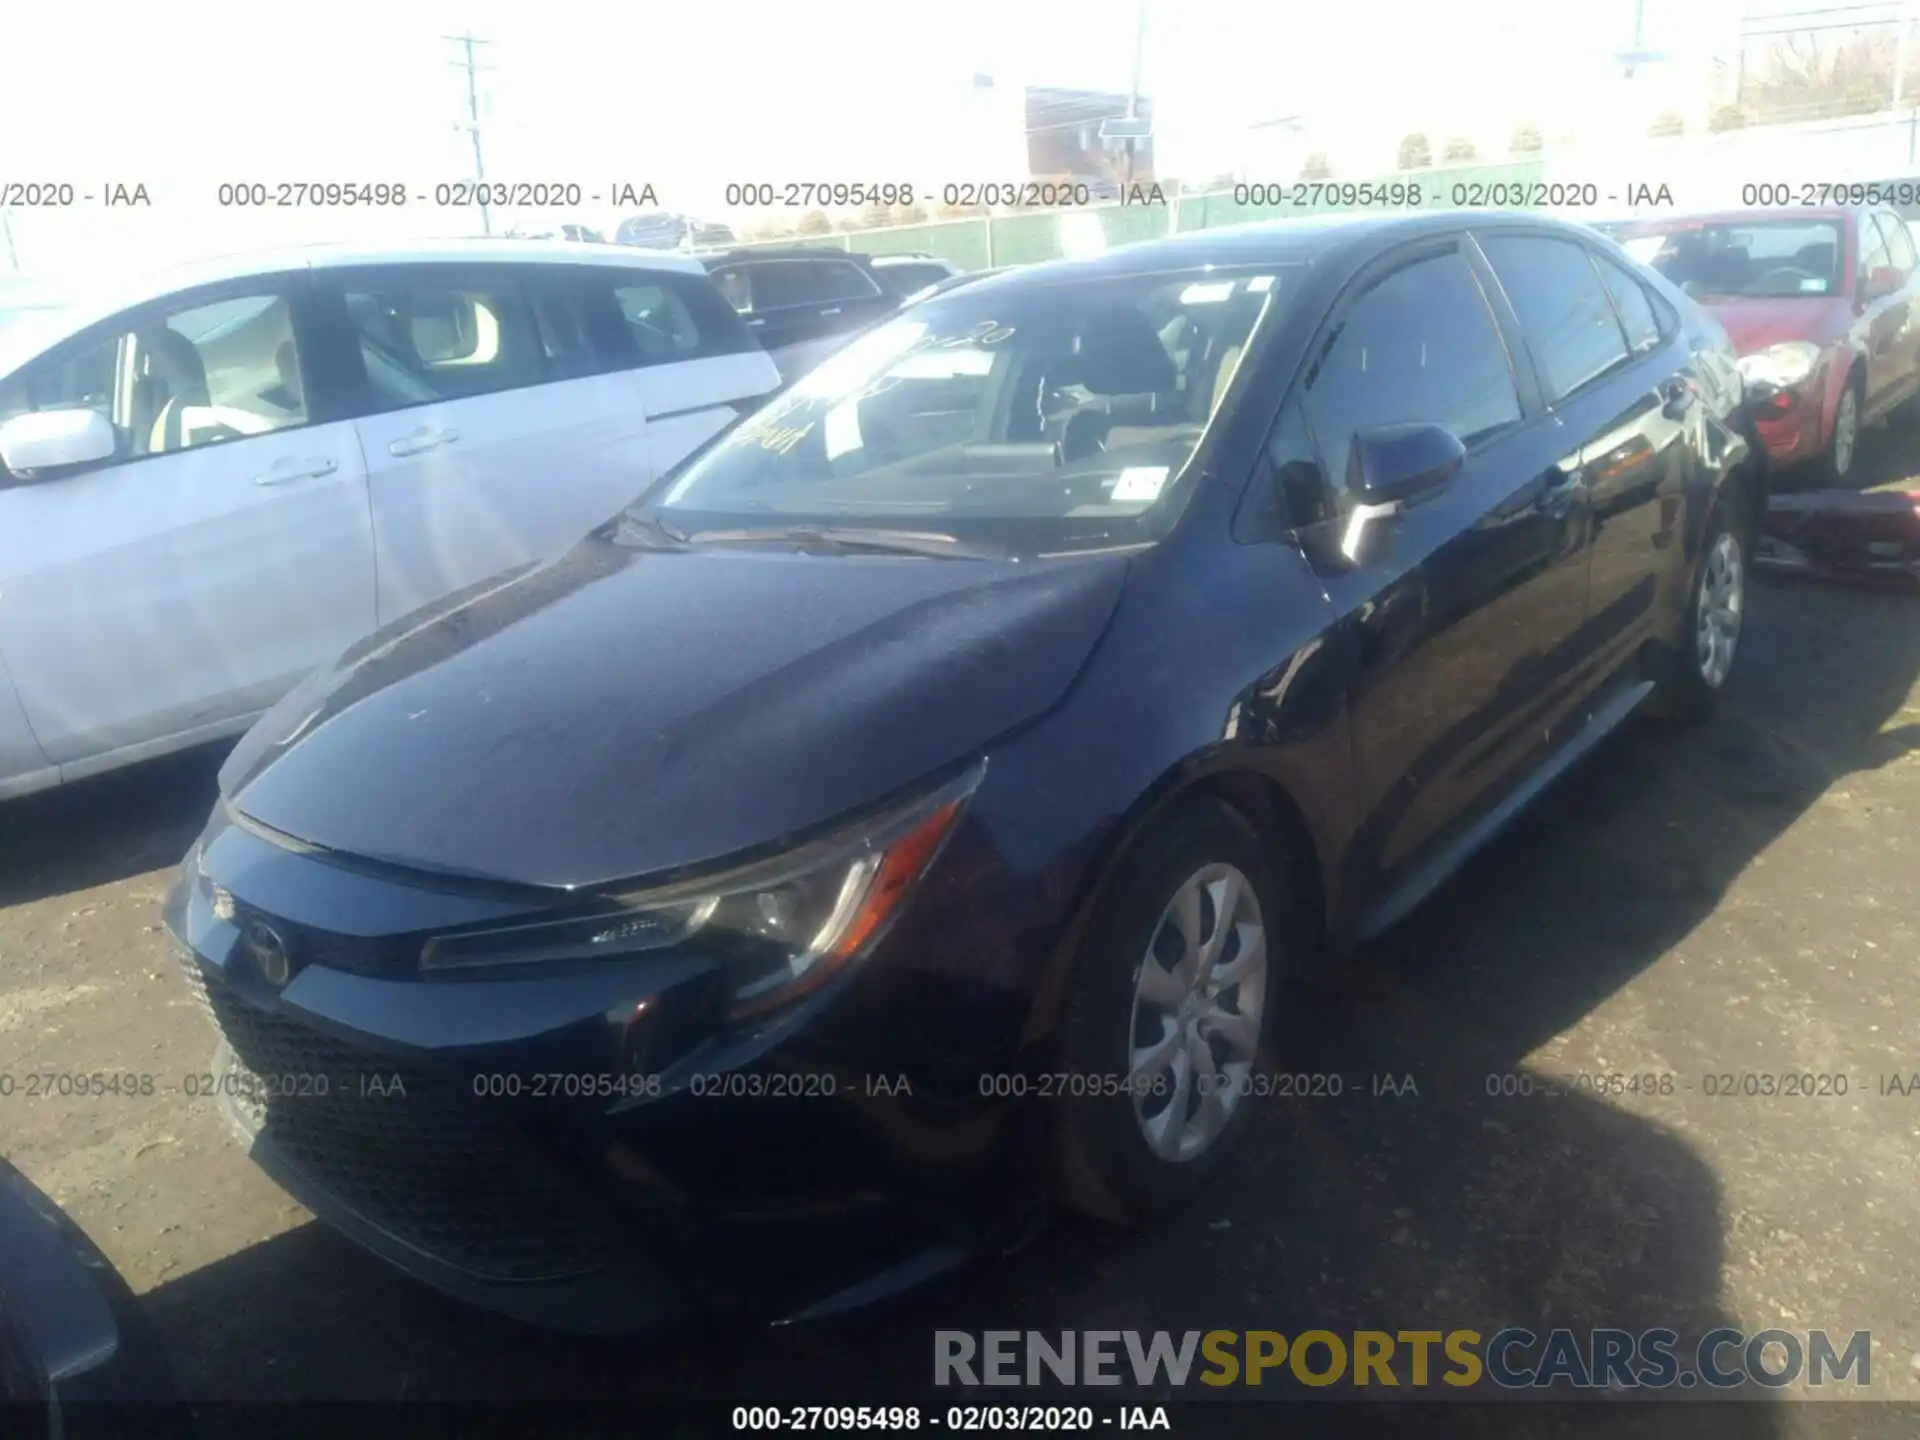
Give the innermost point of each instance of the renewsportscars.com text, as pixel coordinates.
(1509, 1359)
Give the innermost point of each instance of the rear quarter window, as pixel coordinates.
(675, 317)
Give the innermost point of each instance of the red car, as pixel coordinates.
(1823, 306)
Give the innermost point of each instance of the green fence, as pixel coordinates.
(1029, 236)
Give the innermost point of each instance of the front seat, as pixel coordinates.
(1815, 259)
(172, 380)
(1124, 356)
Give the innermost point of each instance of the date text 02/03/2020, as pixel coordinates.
(1313, 195)
(962, 1419)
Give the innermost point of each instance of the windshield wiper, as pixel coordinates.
(651, 528)
(931, 543)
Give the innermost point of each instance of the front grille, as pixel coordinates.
(417, 1158)
(378, 956)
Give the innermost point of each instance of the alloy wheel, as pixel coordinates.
(1721, 605)
(1199, 1002)
(1846, 430)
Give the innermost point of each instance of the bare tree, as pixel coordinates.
(1415, 153)
(1316, 167)
(1808, 74)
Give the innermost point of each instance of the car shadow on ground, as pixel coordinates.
(96, 831)
(1436, 1203)
(1884, 459)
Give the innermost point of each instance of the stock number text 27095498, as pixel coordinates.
(807, 194)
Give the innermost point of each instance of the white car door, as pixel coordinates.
(170, 594)
(493, 430)
(694, 365)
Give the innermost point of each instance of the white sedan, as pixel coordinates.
(214, 479)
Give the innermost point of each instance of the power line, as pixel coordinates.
(467, 42)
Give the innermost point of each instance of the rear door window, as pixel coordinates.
(1563, 308)
(1636, 310)
(429, 333)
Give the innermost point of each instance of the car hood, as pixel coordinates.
(1753, 325)
(618, 713)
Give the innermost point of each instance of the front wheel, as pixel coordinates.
(1716, 616)
(1835, 465)
(1172, 994)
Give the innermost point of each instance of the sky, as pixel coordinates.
(832, 90)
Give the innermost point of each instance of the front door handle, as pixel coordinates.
(425, 438)
(1563, 484)
(283, 472)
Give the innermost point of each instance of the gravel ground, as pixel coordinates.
(1739, 899)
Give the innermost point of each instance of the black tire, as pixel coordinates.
(1835, 465)
(1687, 693)
(1104, 1165)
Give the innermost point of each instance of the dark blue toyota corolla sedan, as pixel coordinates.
(917, 806)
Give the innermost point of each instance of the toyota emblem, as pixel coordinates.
(269, 952)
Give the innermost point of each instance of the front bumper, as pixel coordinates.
(501, 1140)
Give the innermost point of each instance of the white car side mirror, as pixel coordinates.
(55, 440)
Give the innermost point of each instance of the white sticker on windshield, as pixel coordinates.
(1140, 482)
(843, 429)
(1205, 294)
(1813, 285)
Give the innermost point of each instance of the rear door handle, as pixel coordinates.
(425, 438)
(283, 472)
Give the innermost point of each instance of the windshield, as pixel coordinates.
(1064, 412)
(1754, 258)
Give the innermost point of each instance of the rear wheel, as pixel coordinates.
(1169, 1009)
(1716, 616)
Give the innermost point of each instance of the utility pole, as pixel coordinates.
(1900, 52)
(6, 230)
(1133, 95)
(472, 123)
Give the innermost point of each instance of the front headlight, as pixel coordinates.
(1781, 366)
(780, 927)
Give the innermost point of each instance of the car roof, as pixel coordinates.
(90, 297)
(1750, 216)
(1306, 240)
(780, 252)
(909, 257)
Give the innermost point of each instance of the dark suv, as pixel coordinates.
(803, 303)
(908, 275)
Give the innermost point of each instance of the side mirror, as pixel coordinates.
(55, 440)
(1882, 281)
(1390, 467)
